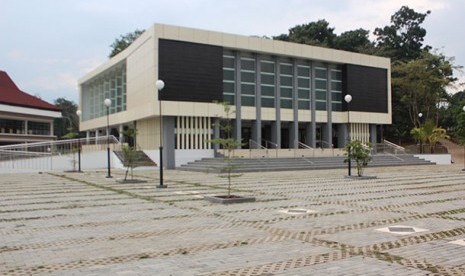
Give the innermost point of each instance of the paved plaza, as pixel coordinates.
(407, 221)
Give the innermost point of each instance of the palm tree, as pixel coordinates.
(438, 134)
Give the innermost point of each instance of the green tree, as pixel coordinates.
(354, 41)
(403, 39)
(228, 144)
(314, 33)
(123, 42)
(130, 153)
(420, 84)
(360, 153)
(67, 126)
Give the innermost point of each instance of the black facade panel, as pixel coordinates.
(368, 87)
(191, 72)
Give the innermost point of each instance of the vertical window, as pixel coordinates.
(267, 77)
(303, 86)
(336, 89)
(321, 87)
(248, 74)
(229, 78)
(286, 81)
(111, 85)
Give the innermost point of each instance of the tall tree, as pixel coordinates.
(123, 42)
(354, 41)
(314, 33)
(403, 39)
(69, 122)
(420, 84)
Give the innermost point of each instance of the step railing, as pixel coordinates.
(39, 155)
(270, 145)
(393, 148)
(299, 146)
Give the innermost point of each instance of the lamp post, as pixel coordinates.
(420, 131)
(160, 85)
(79, 113)
(348, 99)
(107, 103)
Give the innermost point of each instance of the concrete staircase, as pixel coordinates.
(289, 164)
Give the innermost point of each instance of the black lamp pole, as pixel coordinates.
(348, 99)
(78, 112)
(160, 84)
(420, 131)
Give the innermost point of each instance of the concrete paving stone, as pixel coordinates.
(354, 266)
(369, 236)
(88, 225)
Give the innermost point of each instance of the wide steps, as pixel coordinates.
(289, 164)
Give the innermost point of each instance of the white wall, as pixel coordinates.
(440, 159)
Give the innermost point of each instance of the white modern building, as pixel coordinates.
(283, 94)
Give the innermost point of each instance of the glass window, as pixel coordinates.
(285, 69)
(304, 83)
(320, 105)
(248, 77)
(228, 62)
(248, 101)
(320, 73)
(228, 74)
(336, 74)
(248, 64)
(248, 89)
(336, 86)
(228, 99)
(267, 66)
(286, 81)
(304, 94)
(285, 103)
(336, 96)
(267, 79)
(268, 91)
(286, 92)
(337, 106)
(320, 95)
(303, 71)
(228, 87)
(267, 102)
(38, 128)
(320, 84)
(304, 104)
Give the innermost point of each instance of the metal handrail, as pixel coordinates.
(393, 146)
(259, 146)
(331, 146)
(300, 145)
(271, 143)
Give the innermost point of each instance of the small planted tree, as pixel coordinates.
(228, 144)
(130, 153)
(359, 152)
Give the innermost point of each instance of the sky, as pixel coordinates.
(47, 45)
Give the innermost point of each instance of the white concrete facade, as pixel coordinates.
(141, 69)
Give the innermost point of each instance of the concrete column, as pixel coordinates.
(343, 135)
(237, 124)
(257, 124)
(216, 133)
(313, 108)
(121, 136)
(276, 126)
(276, 133)
(294, 126)
(325, 135)
(373, 136)
(168, 141)
(310, 135)
(256, 132)
(96, 135)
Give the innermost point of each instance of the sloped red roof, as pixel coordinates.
(11, 95)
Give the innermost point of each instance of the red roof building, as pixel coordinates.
(23, 117)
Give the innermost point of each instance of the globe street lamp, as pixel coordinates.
(348, 99)
(160, 85)
(420, 131)
(79, 113)
(107, 103)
